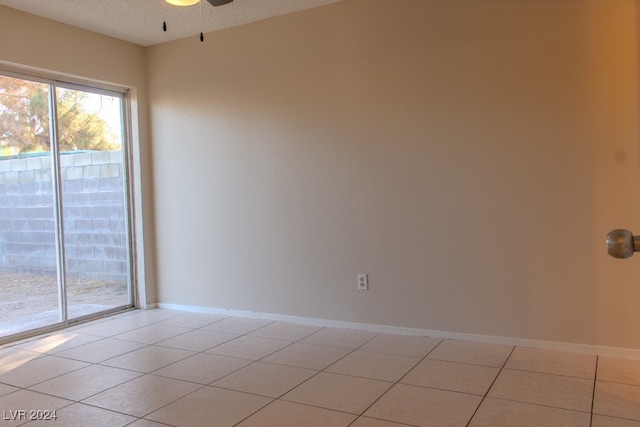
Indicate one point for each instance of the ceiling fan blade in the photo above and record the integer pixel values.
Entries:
(219, 2)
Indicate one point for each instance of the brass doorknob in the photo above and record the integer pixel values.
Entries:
(622, 243)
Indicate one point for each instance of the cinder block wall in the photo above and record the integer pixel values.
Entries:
(94, 215)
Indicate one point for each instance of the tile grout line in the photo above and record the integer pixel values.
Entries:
(150, 373)
(393, 384)
(326, 367)
(145, 345)
(492, 383)
(279, 398)
(252, 362)
(593, 395)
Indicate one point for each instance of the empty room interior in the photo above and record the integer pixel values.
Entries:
(356, 213)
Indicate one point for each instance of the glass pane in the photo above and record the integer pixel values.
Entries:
(28, 272)
(93, 200)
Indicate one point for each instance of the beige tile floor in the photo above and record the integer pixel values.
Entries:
(170, 368)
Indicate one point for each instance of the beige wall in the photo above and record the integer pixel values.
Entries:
(469, 156)
(44, 46)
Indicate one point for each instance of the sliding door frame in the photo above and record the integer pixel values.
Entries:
(129, 193)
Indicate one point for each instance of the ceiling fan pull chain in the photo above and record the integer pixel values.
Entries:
(164, 16)
(201, 33)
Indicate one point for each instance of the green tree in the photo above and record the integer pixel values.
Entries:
(24, 119)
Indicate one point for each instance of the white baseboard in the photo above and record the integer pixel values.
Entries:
(521, 342)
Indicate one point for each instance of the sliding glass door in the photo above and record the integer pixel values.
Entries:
(64, 212)
(28, 267)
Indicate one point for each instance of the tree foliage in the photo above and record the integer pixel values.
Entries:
(24, 119)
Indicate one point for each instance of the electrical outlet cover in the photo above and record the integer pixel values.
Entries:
(363, 282)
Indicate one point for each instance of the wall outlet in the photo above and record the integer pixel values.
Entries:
(363, 282)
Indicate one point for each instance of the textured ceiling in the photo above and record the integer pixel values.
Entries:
(140, 21)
